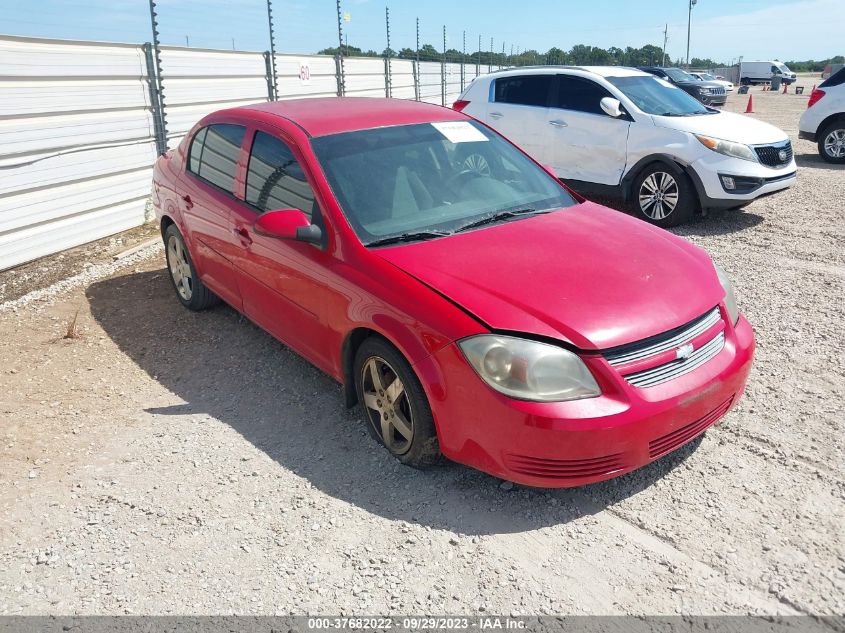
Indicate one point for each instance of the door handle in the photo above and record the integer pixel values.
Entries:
(558, 123)
(496, 115)
(243, 235)
(188, 202)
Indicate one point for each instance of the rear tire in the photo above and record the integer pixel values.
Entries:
(664, 196)
(190, 291)
(397, 410)
(831, 142)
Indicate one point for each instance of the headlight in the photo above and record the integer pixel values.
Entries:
(529, 370)
(728, 148)
(730, 297)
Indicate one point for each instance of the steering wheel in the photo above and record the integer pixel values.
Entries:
(462, 177)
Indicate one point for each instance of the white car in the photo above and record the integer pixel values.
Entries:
(623, 132)
(823, 121)
(729, 87)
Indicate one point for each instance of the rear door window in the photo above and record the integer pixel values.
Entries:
(214, 154)
(531, 90)
(581, 95)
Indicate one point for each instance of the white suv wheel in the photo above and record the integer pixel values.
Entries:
(658, 195)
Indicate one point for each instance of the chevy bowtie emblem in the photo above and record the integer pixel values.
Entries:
(684, 351)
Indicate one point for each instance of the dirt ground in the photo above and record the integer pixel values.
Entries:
(164, 462)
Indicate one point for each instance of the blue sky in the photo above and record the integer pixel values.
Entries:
(722, 29)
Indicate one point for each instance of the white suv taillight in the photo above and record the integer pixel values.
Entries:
(459, 105)
(815, 96)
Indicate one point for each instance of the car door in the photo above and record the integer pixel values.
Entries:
(587, 144)
(207, 189)
(518, 108)
(282, 282)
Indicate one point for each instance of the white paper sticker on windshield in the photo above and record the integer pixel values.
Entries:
(459, 131)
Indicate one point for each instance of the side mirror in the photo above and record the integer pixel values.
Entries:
(611, 107)
(288, 224)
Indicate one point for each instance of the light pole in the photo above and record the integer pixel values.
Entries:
(689, 24)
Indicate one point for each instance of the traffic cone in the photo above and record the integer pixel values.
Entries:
(785, 86)
(750, 107)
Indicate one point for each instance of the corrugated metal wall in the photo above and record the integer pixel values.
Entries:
(77, 137)
(76, 144)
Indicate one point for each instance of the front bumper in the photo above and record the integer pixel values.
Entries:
(564, 444)
(757, 180)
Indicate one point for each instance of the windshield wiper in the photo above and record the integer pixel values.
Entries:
(499, 215)
(407, 237)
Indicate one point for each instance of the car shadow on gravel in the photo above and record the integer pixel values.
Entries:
(223, 366)
(721, 222)
(816, 162)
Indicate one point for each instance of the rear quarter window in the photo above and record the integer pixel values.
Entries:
(532, 90)
(836, 79)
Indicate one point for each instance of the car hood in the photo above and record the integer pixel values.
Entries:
(726, 126)
(586, 275)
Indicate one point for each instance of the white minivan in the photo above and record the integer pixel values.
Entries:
(623, 132)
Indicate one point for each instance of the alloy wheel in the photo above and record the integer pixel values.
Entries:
(834, 143)
(180, 269)
(658, 195)
(387, 404)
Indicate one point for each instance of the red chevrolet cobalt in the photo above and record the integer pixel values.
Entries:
(465, 298)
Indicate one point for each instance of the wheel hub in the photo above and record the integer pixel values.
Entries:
(387, 405)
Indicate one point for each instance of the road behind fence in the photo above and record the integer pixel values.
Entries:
(82, 122)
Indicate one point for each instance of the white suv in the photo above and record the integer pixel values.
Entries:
(613, 130)
(823, 121)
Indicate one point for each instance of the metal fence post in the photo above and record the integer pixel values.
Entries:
(341, 80)
(155, 102)
(270, 76)
(155, 72)
(443, 71)
(415, 69)
(272, 56)
(388, 87)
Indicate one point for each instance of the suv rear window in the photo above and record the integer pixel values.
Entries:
(532, 90)
(836, 79)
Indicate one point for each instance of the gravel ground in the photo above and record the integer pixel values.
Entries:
(166, 462)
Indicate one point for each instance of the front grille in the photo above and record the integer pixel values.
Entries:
(565, 468)
(672, 340)
(678, 368)
(676, 438)
(769, 155)
(717, 91)
(663, 342)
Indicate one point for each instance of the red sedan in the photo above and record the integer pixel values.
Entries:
(473, 305)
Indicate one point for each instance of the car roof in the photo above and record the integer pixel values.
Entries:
(333, 115)
(602, 71)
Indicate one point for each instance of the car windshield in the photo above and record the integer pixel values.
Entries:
(678, 75)
(706, 77)
(655, 96)
(425, 180)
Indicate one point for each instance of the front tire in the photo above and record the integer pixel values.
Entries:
(664, 195)
(832, 142)
(190, 291)
(398, 414)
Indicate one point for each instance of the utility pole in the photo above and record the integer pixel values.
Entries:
(689, 25)
(187, 42)
(665, 38)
